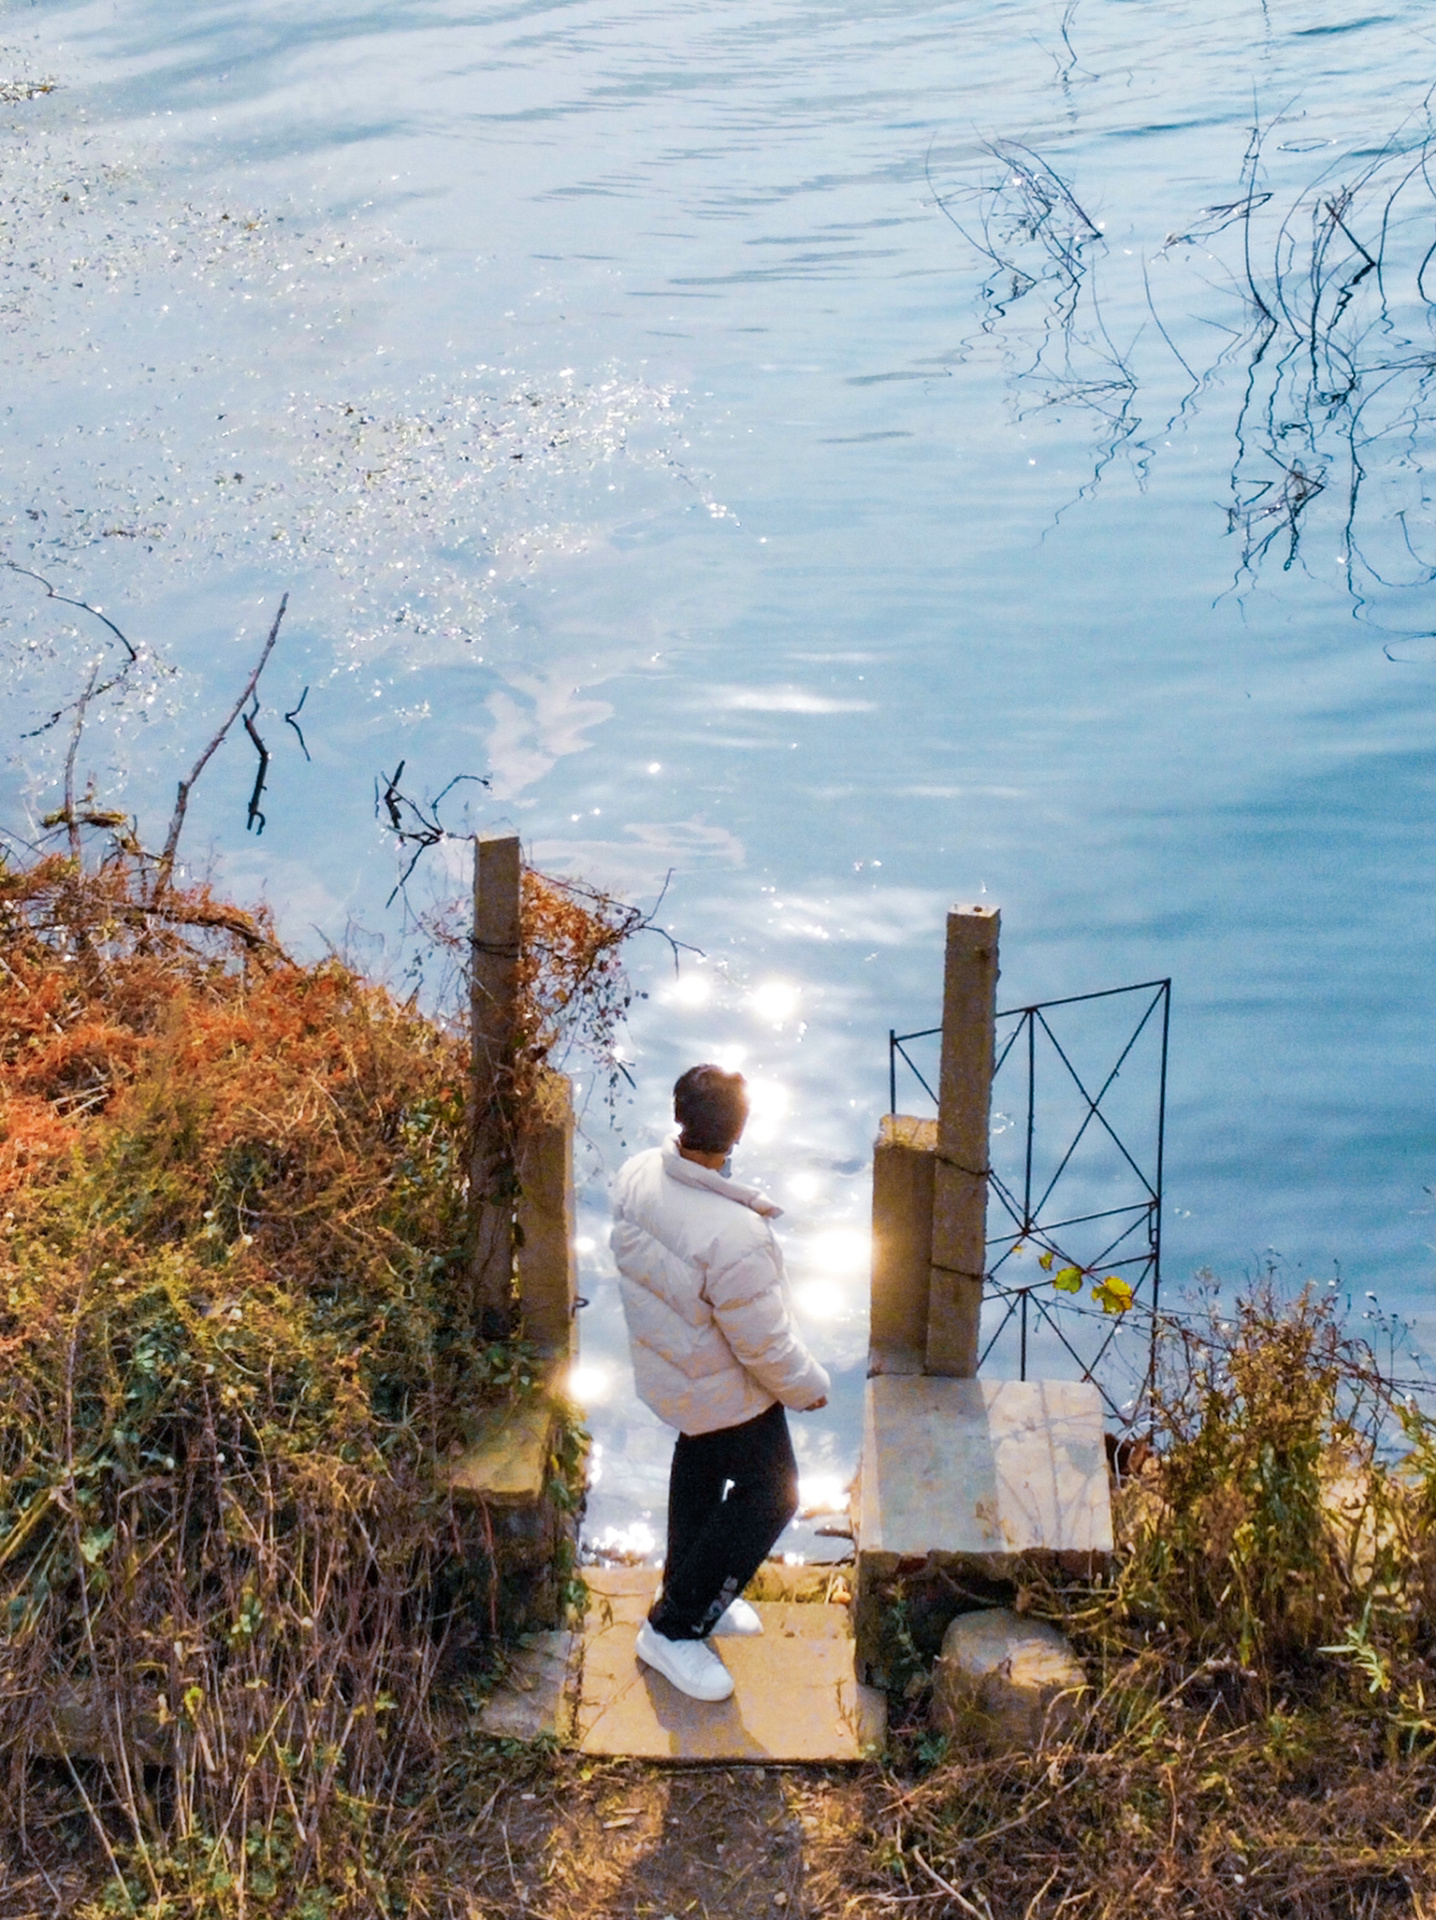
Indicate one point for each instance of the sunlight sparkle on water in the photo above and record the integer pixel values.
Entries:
(820, 1300)
(842, 1251)
(634, 1543)
(820, 1493)
(690, 990)
(775, 1001)
(590, 1383)
(769, 1101)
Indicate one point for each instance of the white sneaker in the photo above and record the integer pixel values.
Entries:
(692, 1665)
(739, 1619)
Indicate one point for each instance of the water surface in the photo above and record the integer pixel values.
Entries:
(620, 395)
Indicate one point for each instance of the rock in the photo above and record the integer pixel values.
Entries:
(1005, 1683)
(507, 1466)
(531, 1699)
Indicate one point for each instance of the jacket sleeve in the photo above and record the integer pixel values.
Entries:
(750, 1304)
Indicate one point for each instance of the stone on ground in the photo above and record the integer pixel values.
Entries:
(533, 1698)
(1005, 1683)
(507, 1465)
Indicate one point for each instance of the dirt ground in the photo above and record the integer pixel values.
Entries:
(621, 1841)
(559, 1837)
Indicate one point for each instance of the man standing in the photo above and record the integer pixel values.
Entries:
(715, 1354)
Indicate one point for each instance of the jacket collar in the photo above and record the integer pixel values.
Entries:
(688, 1173)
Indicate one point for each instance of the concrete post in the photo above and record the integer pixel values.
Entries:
(547, 1262)
(959, 1219)
(904, 1158)
(493, 1004)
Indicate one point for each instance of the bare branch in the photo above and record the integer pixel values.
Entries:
(165, 866)
(427, 829)
(71, 823)
(65, 600)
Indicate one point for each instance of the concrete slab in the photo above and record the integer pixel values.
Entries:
(508, 1463)
(534, 1697)
(795, 1698)
(983, 1471)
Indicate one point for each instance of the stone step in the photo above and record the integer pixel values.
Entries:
(796, 1696)
(507, 1464)
(972, 1479)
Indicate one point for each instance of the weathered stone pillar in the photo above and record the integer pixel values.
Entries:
(493, 1003)
(959, 1216)
(547, 1261)
(904, 1158)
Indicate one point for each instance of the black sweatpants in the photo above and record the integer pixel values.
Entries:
(730, 1495)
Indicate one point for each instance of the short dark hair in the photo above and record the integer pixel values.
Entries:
(711, 1107)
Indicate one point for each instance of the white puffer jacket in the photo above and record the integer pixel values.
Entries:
(709, 1319)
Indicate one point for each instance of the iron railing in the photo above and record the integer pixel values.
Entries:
(1079, 1135)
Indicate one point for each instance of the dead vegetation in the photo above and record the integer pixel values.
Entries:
(238, 1601)
(233, 1191)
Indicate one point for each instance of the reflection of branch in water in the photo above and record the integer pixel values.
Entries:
(251, 714)
(66, 601)
(1326, 304)
(1339, 353)
(1276, 506)
(92, 691)
(1039, 296)
(291, 719)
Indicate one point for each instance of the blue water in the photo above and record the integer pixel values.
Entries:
(827, 582)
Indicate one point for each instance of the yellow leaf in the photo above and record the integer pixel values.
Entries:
(1045, 1260)
(1113, 1295)
(1069, 1280)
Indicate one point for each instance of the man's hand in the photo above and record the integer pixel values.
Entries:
(815, 1405)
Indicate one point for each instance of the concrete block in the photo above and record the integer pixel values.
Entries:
(904, 1159)
(507, 1465)
(547, 1262)
(533, 1698)
(1004, 1683)
(973, 1480)
(959, 1220)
